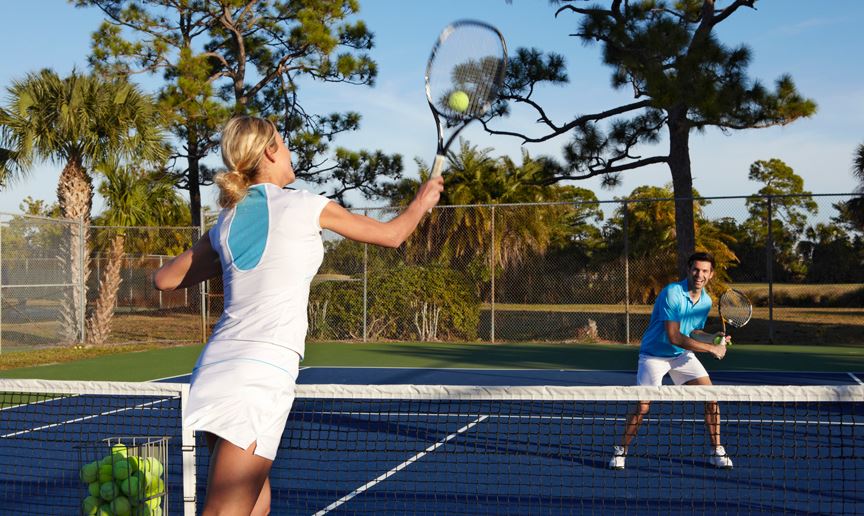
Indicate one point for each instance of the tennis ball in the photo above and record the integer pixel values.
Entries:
(718, 340)
(108, 459)
(156, 511)
(90, 505)
(155, 488)
(108, 491)
(93, 488)
(104, 510)
(121, 506)
(458, 101)
(142, 510)
(122, 470)
(119, 449)
(89, 472)
(132, 486)
(153, 467)
(133, 461)
(106, 473)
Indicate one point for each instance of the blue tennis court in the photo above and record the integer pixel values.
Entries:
(486, 449)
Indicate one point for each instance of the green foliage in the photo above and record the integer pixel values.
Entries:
(247, 57)
(681, 77)
(79, 119)
(398, 298)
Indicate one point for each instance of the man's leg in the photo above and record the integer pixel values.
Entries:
(650, 372)
(719, 457)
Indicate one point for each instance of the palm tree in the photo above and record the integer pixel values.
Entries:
(457, 236)
(78, 121)
(132, 198)
(856, 205)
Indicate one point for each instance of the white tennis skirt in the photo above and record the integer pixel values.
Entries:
(242, 391)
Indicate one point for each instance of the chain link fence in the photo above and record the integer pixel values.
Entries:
(565, 272)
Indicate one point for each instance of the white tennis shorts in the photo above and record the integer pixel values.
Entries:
(682, 369)
(242, 392)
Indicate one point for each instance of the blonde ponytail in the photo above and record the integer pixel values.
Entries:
(244, 140)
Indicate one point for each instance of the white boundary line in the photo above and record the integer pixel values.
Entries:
(398, 468)
(858, 380)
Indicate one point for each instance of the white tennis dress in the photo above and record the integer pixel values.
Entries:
(270, 248)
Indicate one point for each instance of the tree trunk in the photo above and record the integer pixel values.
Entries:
(75, 197)
(682, 187)
(99, 324)
(194, 180)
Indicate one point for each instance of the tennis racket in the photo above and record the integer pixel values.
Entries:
(735, 310)
(464, 73)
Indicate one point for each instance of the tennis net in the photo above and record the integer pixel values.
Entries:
(423, 449)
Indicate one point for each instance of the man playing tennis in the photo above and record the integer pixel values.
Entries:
(669, 345)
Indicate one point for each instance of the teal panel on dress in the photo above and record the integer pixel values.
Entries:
(247, 238)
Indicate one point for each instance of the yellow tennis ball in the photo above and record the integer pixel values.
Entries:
(108, 491)
(718, 340)
(121, 506)
(90, 505)
(458, 101)
(89, 472)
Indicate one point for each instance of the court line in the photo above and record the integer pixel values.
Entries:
(398, 468)
(856, 378)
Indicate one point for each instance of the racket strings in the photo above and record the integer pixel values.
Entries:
(470, 59)
(735, 308)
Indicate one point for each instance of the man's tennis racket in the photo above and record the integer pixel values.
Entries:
(464, 73)
(735, 310)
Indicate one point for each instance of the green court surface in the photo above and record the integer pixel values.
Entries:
(169, 362)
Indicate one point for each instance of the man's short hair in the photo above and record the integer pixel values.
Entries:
(700, 257)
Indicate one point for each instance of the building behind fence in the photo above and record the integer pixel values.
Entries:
(565, 272)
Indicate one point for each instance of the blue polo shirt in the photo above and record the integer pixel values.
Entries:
(674, 304)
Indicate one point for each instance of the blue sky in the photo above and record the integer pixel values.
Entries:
(818, 46)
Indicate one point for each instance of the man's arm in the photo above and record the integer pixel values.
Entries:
(673, 333)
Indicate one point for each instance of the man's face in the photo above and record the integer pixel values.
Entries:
(699, 274)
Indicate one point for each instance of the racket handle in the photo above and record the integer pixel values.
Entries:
(437, 165)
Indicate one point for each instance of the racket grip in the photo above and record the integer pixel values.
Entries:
(437, 165)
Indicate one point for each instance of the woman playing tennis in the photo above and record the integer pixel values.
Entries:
(267, 246)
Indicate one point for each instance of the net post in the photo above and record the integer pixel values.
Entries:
(202, 289)
(188, 451)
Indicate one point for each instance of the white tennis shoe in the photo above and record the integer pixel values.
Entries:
(719, 458)
(618, 458)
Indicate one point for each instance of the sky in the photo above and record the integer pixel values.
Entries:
(819, 44)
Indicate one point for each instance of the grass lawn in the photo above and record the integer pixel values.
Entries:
(161, 362)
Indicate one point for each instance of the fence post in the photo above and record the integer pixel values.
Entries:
(82, 287)
(626, 278)
(769, 253)
(2, 284)
(492, 293)
(365, 284)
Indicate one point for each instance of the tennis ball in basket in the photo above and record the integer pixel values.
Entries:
(90, 505)
(119, 449)
(108, 459)
(133, 461)
(142, 510)
(106, 473)
(155, 467)
(104, 510)
(89, 472)
(458, 101)
(122, 470)
(93, 488)
(121, 506)
(108, 491)
(132, 486)
(155, 488)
